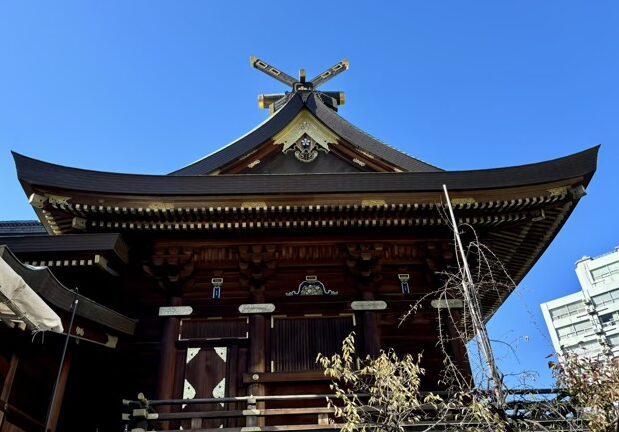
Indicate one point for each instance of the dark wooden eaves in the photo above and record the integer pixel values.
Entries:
(107, 243)
(43, 282)
(35, 173)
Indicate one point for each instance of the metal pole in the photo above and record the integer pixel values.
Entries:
(470, 297)
(62, 358)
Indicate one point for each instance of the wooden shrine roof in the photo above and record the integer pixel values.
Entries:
(297, 102)
(517, 210)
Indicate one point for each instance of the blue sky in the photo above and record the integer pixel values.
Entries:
(148, 87)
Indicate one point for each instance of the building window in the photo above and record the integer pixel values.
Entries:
(606, 298)
(571, 309)
(577, 329)
(609, 319)
(603, 272)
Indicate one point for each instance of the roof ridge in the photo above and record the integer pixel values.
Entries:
(229, 152)
(384, 143)
(372, 144)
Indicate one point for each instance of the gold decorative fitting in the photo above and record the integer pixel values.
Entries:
(254, 204)
(559, 191)
(311, 286)
(253, 164)
(305, 124)
(367, 154)
(58, 200)
(160, 206)
(246, 155)
(37, 201)
(359, 162)
(78, 223)
(373, 202)
(465, 200)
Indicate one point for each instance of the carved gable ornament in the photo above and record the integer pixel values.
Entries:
(305, 136)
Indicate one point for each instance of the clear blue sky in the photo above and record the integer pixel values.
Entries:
(148, 86)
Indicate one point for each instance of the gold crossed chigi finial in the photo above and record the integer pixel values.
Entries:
(275, 101)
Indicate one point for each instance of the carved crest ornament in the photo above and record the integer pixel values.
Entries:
(311, 286)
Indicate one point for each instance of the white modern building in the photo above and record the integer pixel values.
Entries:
(587, 322)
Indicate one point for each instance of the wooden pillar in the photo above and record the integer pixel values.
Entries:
(457, 344)
(168, 355)
(62, 385)
(257, 354)
(6, 388)
(371, 332)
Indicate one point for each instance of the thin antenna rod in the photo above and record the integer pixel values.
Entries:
(62, 358)
(470, 296)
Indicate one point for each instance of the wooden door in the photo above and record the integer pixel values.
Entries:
(211, 372)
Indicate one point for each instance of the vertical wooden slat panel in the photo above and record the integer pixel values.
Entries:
(201, 329)
(297, 341)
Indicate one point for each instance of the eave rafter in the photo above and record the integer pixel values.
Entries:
(103, 251)
(93, 260)
(517, 224)
(74, 215)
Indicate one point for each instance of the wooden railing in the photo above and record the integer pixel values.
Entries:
(529, 410)
(10, 414)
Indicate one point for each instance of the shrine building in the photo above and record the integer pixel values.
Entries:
(225, 278)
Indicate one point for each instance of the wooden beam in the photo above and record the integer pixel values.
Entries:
(371, 335)
(6, 388)
(168, 354)
(278, 377)
(257, 356)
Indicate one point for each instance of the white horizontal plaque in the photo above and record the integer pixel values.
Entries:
(254, 308)
(368, 305)
(447, 304)
(175, 310)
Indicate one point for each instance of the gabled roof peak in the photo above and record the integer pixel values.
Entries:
(316, 104)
